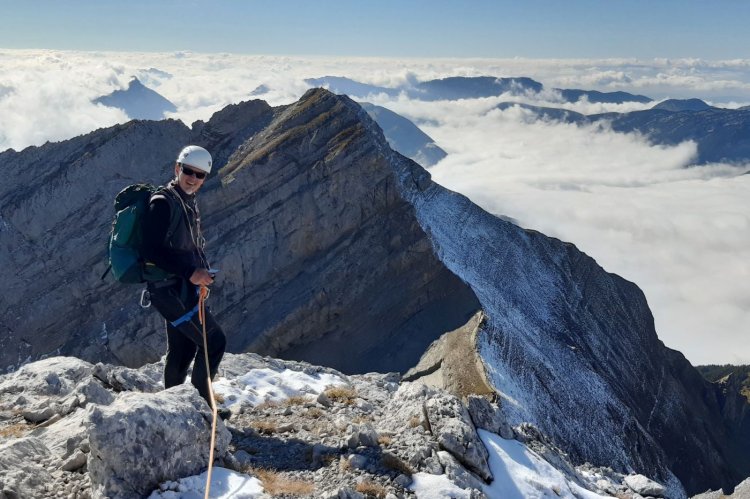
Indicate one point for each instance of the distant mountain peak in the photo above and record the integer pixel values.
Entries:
(677, 105)
(138, 101)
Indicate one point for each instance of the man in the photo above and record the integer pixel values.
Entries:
(173, 242)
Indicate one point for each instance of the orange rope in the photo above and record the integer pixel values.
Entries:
(201, 317)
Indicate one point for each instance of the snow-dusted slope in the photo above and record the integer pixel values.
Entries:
(573, 348)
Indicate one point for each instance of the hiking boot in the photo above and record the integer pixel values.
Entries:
(224, 413)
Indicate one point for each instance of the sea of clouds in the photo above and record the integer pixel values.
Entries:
(681, 233)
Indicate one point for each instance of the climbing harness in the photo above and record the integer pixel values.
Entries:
(188, 315)
(203, 295)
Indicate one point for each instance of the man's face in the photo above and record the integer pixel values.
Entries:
(187, 178)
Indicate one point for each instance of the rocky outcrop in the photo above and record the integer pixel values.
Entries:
(452, 362)
(365, 433)
(142, 440)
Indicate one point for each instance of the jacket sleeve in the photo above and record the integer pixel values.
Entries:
(154, 231)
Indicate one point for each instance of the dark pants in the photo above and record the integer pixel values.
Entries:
(185, 342)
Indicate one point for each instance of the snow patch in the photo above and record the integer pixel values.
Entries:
(269, 385)
(225, 484)
(428, 486)
(521, 473)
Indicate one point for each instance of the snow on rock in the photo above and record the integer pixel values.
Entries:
(520, 473)
(409, 439)
(225, 484)
(267, 384)
(427, 486)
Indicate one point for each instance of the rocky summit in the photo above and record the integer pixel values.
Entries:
(69, 428)
(338, 251)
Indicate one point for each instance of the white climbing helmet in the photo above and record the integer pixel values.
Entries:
(197, 157)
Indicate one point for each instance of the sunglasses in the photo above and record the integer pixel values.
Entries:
(192, 173)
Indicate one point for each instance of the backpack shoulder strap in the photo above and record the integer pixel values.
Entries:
(175, 208)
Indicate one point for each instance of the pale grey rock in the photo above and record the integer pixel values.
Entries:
(406, 408)
(432, 465)
(119, 378)
(457, 473)
(451, 424)
(606, 486)
(74, 462)
(93, 392)
(39, 412)
(362, 435)
(324, 400)
(45, 388)
(644, 486)
(144, 439)
(488, 416)
(20, 473)
(527, 432)
(64, 436)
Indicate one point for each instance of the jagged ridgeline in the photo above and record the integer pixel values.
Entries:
(336, 250)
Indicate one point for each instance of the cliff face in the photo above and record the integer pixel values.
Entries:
(338, 251)
(324, 261)
(321, 259)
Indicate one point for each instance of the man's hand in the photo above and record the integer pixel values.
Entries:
(201, 277)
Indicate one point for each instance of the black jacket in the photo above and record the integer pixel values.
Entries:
(182, 251)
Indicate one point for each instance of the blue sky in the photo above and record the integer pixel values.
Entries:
(418, 28)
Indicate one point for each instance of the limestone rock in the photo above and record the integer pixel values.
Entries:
(644, 486)
(488, 416)
(20, 472)
(363, 435)
(119, 379)
(451, 424)
(74, 462)
(457, 473)
(452, 362)
(144, 439)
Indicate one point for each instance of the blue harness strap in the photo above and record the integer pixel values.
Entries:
(189, 315)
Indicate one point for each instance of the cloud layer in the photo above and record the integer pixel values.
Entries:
(682, 234)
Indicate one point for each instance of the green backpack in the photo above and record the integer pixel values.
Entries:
(126, 238)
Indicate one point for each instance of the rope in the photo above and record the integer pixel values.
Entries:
(202, 318)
